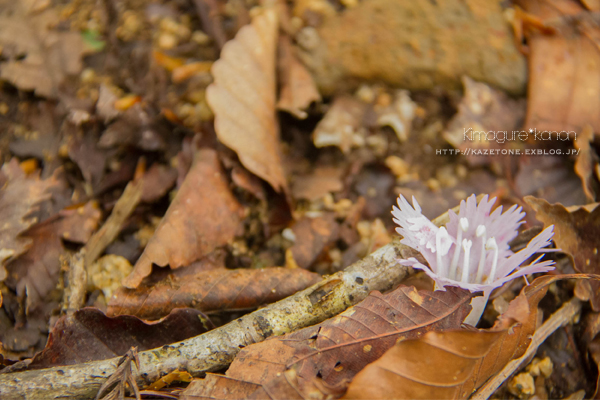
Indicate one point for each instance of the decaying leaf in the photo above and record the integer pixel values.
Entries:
(19, 196)
(575, 233)
(203, 216)
(482, 110)
(210, 291)
(36, 56)
(340, 347)
(89, 335)
(242, 98)
(563, 78)
(298, 88)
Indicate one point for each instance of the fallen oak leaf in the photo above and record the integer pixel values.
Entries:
(203, 216)
(587, 159)
(242, 98)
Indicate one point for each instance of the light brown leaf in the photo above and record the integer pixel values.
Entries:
(564, 82)
(38, 57)
(19, 197)
(211, 291)
(242, 98)
(432, 367)
(298, 88)
(204, 215)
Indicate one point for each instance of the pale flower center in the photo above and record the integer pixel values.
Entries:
(464, 245)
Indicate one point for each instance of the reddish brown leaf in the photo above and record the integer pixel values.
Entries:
(337, 349)
(19, 197)
(89, 335)
(214, 290)
(563, 79)
(450, 365)
(312, 236)
(433, 367)
(575, 233)
(203, 216)
(242, 98)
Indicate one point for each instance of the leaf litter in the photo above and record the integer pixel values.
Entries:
(237, 206)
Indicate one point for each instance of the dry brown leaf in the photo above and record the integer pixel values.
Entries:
(298, 88)
(340, 347)
(575, 233)
(412, 370)
(242, 98)
(450, 365)
(19, 196)
(211, 291)
(36, 55)
(564, 82)
(204, 215)
(218, 387)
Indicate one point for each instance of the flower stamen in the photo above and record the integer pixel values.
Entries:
(466, 244)
(440, 237)
(492, 245)
(463, 225)
(480, 233)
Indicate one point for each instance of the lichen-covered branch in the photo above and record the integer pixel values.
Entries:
(216, 349)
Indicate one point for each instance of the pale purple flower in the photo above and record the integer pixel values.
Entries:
(472, 250)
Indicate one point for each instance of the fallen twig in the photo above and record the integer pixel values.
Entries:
(560, 318)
